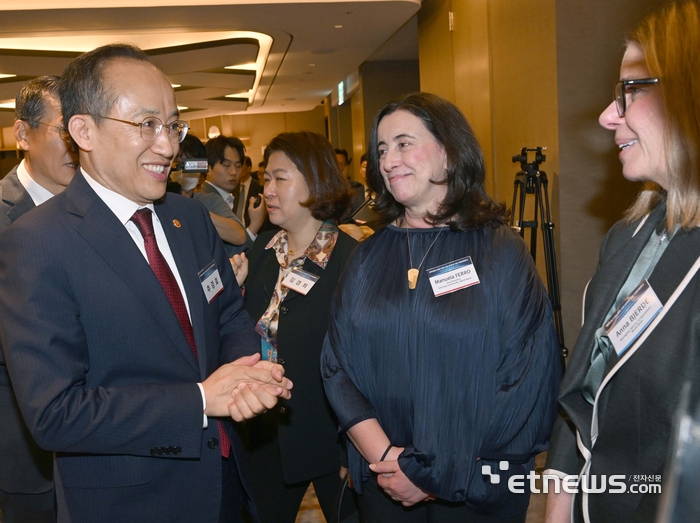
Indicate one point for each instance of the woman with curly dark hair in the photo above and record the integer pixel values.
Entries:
(441, 359)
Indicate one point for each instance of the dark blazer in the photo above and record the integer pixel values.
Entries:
(308, 431)
(104, 375)
(24, 466)
(635, 406)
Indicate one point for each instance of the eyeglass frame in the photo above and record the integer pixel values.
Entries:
(620, 92)
(158, 129)
(62, 131)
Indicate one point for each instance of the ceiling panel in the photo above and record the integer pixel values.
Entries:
(313, 46)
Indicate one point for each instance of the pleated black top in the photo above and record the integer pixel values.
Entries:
(461, 380)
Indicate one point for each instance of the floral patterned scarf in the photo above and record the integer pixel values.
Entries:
(319, 252)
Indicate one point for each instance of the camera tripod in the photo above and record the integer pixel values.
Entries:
(530, 180)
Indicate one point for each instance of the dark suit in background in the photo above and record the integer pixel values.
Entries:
(25, 468)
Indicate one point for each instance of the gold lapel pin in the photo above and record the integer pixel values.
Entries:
(177, 223)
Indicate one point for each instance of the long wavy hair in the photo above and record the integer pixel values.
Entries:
(466, 204)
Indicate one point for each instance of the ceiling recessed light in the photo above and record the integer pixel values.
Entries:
(175, 86)
(338, 26)
(7, 76)
(182, 108)
(247, 67)
(10, 104)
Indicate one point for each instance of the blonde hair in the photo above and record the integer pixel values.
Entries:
(670, 40)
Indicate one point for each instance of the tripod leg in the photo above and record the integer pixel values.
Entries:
(551, 266)
(516, 188)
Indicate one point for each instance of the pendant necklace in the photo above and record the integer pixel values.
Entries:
(414, 272)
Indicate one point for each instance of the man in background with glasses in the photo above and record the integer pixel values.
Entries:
(120, 314)
(26, 485)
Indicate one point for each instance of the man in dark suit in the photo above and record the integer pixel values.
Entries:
(26, 485)
(120, 315)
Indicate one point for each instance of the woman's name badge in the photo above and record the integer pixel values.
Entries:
(453, 276)
(299, 280)
(211, 281)
(632, 317)
(268, 352)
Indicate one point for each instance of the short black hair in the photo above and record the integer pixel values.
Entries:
(330, 193)
(83, 89)
(192, 147)
(30, 102)
(216, 147)
(247, 161)
(343, 153)
(466, 204)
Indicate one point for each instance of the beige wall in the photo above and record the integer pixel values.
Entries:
(381, 81)
(359, 143)
(498, 65)
(593, 194)
(256, 130)
(538, 73)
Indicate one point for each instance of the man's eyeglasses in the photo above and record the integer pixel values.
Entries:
(152, 126)
(62, 131)
(622, 87)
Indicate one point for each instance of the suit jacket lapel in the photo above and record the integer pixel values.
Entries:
(675, 264)
(15, 194)
(604, 288)
(179, 240)
(680, 254)
(103, 231)
(671, 269)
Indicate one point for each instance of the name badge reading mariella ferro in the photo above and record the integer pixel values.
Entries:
(211, 281)
(632, 317)
(453, 276)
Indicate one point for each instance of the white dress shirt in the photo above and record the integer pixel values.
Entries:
(38, 193)
(124, 209)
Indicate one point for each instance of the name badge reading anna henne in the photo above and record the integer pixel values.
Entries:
(211, 281)
(453, 276)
